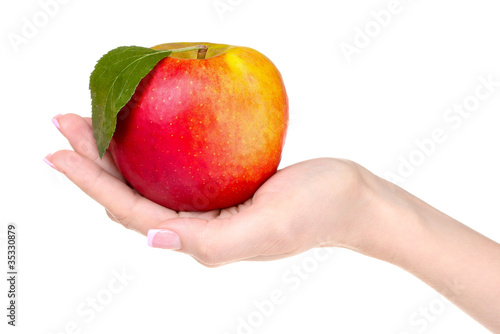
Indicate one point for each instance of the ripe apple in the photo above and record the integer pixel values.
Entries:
(204, 129)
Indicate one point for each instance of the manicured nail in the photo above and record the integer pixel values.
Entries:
(55, 122)
(47, 161)
(166, 239)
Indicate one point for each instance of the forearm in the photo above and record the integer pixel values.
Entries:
(455, 260)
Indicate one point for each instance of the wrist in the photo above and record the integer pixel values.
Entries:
(391, 220)
(366, 213)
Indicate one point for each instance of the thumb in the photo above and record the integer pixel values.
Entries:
(217, 241)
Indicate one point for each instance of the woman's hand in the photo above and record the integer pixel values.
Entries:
(321, 202)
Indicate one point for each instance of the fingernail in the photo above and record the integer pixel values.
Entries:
(55, 122)
(47, 161)
(165, 239)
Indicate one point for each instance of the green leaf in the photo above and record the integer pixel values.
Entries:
(112, 84)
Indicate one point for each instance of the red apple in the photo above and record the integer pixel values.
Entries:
(203, 133)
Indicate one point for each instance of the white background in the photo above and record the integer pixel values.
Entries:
(371, 110)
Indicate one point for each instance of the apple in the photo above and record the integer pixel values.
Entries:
(204, 129)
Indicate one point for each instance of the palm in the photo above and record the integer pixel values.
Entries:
(268, 226)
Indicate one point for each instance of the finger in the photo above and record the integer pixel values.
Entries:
(129, 208)
(249, 234)
(79, 133)
(88, 120)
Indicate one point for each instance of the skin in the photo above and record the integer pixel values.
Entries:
(317, 203)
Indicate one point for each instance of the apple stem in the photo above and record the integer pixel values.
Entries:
(202, 50)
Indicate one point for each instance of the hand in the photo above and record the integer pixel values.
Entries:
(320, 202)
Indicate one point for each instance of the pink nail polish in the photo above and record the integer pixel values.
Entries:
(47, 161)
(165, 239)
(55, 122)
